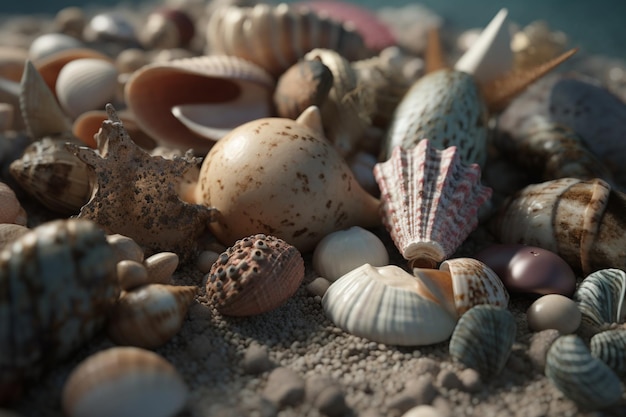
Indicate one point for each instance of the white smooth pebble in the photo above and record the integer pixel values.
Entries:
(554, 311)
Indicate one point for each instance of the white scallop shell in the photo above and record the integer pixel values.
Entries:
(382, 304)
(86, 84)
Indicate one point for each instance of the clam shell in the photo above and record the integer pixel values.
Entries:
(610, 347)
(87, 125)
(582, 378)
(275, 37)
(255, 275)
(482, 339)
(149, 316)
(174, 101)
(383, 304)
(57, 283)
(124, 382)
(86, 84)
(430, 201)
(445, 107)
(600, 297)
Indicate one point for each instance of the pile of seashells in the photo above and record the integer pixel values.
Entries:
(240, 137)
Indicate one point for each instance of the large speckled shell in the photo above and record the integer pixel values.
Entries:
(57, 283)
(255, 275)
(482, 339)
(210, 94)
(430, 201)
(384, 304)
(124, 382)
(581, 377)
(610, 347)
(582, 221)
(600, 297)
(55, 177)
(445, 107)
(275, 37)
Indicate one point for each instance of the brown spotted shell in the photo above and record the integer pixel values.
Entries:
(255, 275)
(57, 283)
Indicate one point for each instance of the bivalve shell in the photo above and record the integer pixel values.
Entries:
(257, 274)
(582, 378)
(610, 347)
(124, 382)
(600, 298)
(483, 338)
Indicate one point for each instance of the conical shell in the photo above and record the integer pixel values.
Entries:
(120, 381)
(581, 221)
(383, 304)
(445, 107)
(483, 338)
(600, 297)
(610, 347)
(149, 316)
(255, 275)
(275, 37)
(582, 378)
(173, 101)
(430, 201)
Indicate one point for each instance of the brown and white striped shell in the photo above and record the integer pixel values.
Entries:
(255, 275)
(275, 37)
(57, 283)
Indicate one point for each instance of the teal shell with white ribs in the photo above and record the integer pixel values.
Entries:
(446, 107)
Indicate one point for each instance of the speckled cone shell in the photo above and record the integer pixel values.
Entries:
(255, 275)
(581, 377)
(149, 316)
(275, 37)
(445, 107)
(283, 178)
(57, 283)
(430, 201)
(582, 221)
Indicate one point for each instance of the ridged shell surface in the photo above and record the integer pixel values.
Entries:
(57, 283)
(382, 304)
(610, 347)
(483, 338)
(430, 201)
(445, 107)
(600, 297)
(582, 378)
(275, 37)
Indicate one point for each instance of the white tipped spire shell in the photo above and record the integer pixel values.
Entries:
(490, 56)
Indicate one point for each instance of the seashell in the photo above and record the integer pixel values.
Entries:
(11, 211)
(430, 201)
(10, 232)
(12, 59)
(340, 252)
(490, 55)
(483, 338)
(110, 27)
(125, 248)
(581, 221)
(582, 378)
(57, 284)
(190, 103)
(600, 297)
(347, 111)
(119, 381)
(296, 186)
(252, 33)
(51, 43)
(167, 28)
(554, 311)
(161, 266)
(384, 304)
(597, 116)
(306, 83)
(550, 151)
(54, 176)
(131, 274)
(149, 316)
(257, 274)
(86, 126)
(445, 107)
(167, 222)
(610, 346)
(70, 21)
(130, 60)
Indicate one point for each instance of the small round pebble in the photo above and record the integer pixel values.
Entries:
(422, 389)
(326, 395)
(256, 360)
(539, 345)
(318, 286)
(470, 380)
(131, 274)
(423, 411)
(205, 260)
(554, 311)
(448, 379)
(284, 387)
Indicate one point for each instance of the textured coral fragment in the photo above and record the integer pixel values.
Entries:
(136, 194)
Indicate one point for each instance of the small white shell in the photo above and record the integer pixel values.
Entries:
(124, 382)
(340, 252)
(86, 84)
(50, 43)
